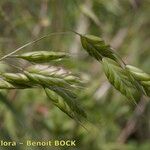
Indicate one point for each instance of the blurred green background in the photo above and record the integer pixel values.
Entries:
(27, 114)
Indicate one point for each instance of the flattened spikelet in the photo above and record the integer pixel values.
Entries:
(59, 102)
(118, 77)
(96, 47)
(139, 74)
(17, 78)
(71, 100)
(142, 78)
(46, 81)
(6, 85)
(52, 71)
(41, 56)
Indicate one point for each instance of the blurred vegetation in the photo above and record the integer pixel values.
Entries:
(27, 114)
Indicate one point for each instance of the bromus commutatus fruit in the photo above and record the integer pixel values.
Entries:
(47, 81)
(52, 71)
(17, 78)
(142, 78)
(126, 79)
(59, 84)
(96, 47)
(71, 100)
(6, 85)
(59, 102)
(41, 56)
(118, 77)
(75, 113)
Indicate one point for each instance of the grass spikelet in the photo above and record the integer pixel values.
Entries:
(71, 100)
(142, 78)
(52, 71)
(118, 77)
(96, 47)
(41, 56)
(59, 102)
(139, 74)
(6, 85)
(46, 81)
(17, 78)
